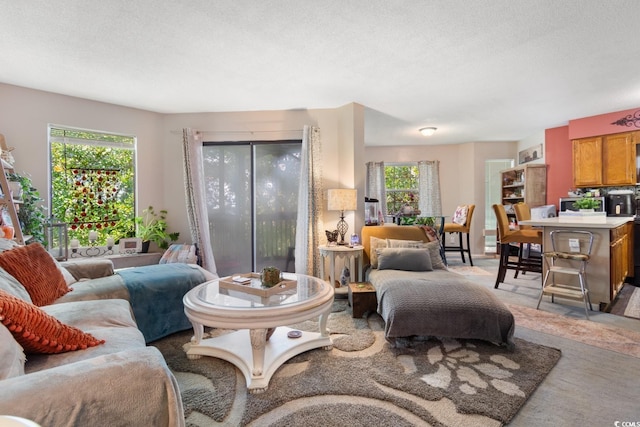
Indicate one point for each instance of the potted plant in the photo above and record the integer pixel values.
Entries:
(152, 227)
(31, 212)
(587, 204)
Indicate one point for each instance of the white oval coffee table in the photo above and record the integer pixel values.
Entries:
(251, 315)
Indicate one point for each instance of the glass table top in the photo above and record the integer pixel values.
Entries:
(211, 293)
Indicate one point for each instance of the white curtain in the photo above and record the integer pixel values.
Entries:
(375, 185)
(430, 203)
(196, 198)
(309, 205)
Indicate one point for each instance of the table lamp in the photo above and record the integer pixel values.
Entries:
(342, 199)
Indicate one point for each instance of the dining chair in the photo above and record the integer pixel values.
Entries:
(519, 237)
(523, 213)
(460, 229)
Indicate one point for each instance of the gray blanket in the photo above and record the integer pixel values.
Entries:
(439, 303)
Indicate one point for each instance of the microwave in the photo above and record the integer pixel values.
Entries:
(566, 204)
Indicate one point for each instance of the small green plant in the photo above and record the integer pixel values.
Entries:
(152, 227)
(270, 276)
(587, 203)
(31, 213)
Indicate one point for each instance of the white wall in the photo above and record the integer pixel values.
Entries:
(461, 174)
(26, 113)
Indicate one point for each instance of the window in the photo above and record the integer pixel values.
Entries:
(252, 203)
(402, 184)
(92, 182)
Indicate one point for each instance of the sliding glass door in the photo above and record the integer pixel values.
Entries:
(252, 200)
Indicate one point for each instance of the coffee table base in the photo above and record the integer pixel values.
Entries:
(236, 347)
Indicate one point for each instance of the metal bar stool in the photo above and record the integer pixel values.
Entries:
(571, 250)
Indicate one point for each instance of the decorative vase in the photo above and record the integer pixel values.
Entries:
(145, 246)
(270, 276)
(345, 276)
(407, 209)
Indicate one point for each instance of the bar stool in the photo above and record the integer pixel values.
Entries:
(569, 247)
(523, 213)
(506, 237)
(453, 227)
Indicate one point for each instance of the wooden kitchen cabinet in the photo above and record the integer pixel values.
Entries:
(587, 162)
(619, 159)
(604, 160)
(620, 255)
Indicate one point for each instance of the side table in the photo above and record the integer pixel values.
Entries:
(362, 298)
(354, 253)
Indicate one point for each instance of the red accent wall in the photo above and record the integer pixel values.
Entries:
(602, 124)
(559, 158)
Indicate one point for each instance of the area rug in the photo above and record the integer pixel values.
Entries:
(365, 381)
(633, 306)
(469, 270)
(585, 331)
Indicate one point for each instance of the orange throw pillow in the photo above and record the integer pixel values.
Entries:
(32, 266)
(39, 332)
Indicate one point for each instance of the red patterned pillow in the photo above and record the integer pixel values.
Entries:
(32, 266)
(39, 332)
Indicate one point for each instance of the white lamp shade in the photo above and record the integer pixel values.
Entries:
(342, 199)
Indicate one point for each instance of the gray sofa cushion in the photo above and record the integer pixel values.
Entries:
(10, 285)
(110, 320)
(12, 356)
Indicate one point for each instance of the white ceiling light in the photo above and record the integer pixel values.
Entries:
(428, 131)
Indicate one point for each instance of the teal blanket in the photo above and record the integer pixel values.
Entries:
(156, 293)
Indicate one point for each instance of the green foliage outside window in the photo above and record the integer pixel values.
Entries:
(93, 183)
(401, 182)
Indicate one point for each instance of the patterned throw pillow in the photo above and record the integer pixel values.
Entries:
(432, 247)
(375, 243)
(179, 253)
(37, 331)
(460, 215)
(434, 253)
(32, 266)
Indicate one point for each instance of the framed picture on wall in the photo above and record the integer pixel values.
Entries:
(530, 154)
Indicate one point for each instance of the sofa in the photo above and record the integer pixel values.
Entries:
(71, 348)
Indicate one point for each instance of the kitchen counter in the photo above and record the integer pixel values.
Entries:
(575, 221)
(611, 254)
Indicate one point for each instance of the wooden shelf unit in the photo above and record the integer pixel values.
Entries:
(525, 184)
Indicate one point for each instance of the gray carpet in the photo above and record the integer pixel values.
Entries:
(589, 386)
(363, 381)
(633, 306)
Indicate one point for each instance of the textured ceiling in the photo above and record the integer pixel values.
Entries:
(481, 70)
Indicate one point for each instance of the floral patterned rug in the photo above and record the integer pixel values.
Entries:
(422, 382)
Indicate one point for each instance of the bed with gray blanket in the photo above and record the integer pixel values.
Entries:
(428, 300)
